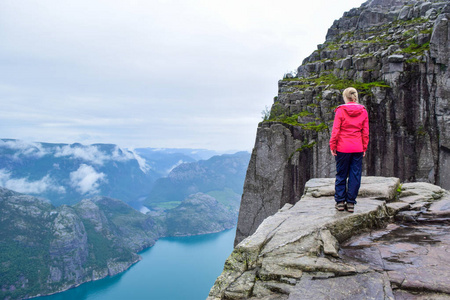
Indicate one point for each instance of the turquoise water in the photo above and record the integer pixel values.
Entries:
(174, 268)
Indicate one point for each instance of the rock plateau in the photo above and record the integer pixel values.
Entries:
(311, 251)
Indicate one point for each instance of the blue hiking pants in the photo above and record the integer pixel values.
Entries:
(348, 166)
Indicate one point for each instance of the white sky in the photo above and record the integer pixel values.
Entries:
(151, 73)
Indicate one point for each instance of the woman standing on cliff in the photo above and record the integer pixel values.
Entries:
(348, 144)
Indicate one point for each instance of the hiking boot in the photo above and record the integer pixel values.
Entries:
(340, 206)
(350, 207)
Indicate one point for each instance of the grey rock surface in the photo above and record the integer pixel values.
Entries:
(305, 251)
(370, 285)
(269, 182)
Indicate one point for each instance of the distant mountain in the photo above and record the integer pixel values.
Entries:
(46, 249)
(198, 214)
(195, 154)
(220, 176)
(163, 161)
(66, 174)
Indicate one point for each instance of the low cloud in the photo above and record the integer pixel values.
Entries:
(23, 185)
(93, 154)
(89, 153)
(24, 148)
(121, 154)
(174, 166)
(86, 180)
(141, 161)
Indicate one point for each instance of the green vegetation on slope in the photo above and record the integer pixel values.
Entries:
(333, 82)
(24, 249)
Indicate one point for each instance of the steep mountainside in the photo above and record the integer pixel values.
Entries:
(198, 214)
(46, 249)
(396, 54)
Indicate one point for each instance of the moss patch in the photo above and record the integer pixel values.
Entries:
(306, 145)
(340, 83)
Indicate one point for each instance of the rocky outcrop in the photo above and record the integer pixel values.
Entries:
(311, 251)
(68, 249)
(396, 54)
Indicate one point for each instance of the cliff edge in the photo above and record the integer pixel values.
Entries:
(312, 251)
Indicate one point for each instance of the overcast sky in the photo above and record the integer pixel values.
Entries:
(151, 73)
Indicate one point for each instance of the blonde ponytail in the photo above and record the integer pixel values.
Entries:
(351, 94)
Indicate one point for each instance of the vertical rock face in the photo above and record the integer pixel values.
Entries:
(68, 248)
(396, 53)
(273, 175)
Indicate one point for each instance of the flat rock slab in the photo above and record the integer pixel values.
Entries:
(311, 214)
(426, 191)
(382, 188)
(307, 216)
(418, 295)
(415, 257)
(371, 285)
(441, 207)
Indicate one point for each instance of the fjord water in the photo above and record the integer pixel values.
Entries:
(175, 268)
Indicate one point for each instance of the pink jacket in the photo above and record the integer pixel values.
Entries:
(350, 129)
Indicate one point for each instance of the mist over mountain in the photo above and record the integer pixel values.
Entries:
(163, 161)
(66, 174)
(195, 154)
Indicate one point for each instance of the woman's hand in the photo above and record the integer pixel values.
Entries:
(333, 152)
